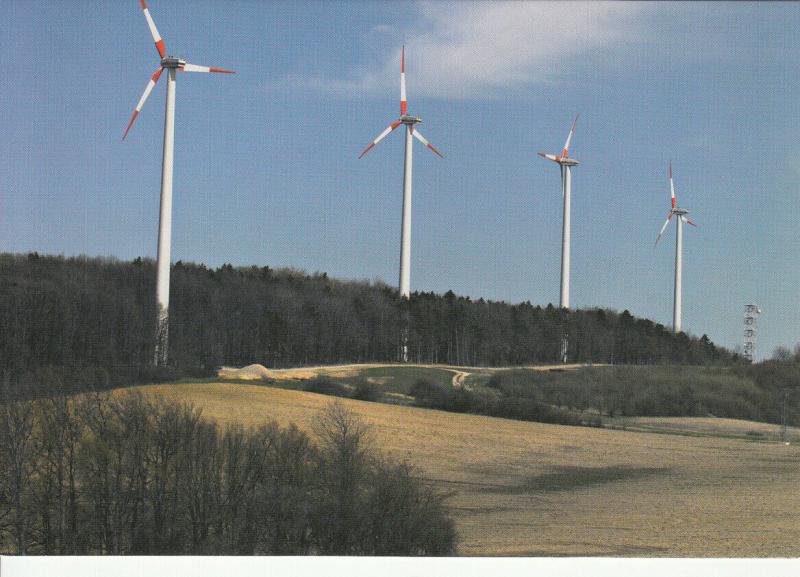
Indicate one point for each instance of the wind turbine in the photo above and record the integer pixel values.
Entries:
(405, 233)
(565, 163)
(681, 214)
(172, 65)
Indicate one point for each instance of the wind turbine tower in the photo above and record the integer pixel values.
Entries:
(405, 230)
(681, 218)
(172, 65)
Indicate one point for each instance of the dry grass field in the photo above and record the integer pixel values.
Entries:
(521, 488)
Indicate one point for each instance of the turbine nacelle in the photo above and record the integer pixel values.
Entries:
(408, 119)
(562, 160)
(172, 62)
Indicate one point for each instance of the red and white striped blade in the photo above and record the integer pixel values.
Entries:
(688, 220)
(671, 186)
(381, 136)
(196, 68)
(147, 91)
(663, 228)
(422, 139)
(403, 102)
(569, 138)
(552, 157)
(153, 30)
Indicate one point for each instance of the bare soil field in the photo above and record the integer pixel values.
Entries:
(521, 488)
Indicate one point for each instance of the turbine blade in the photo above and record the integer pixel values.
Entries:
(403, 102)
(153, 30)
(147, 91)
(666, 222)
(196, 68)
(421, 138)
(381, 136)
(688, 220)
(671, 185)
(548, 156)
(569, 138)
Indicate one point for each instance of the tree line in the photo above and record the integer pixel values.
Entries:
(127, 474)
(100, 312)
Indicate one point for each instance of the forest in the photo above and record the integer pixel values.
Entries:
(97, 314)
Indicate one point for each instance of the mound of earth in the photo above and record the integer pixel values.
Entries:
(253, 372)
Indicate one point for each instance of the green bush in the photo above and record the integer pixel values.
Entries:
(325, 386)
(640, 391)
(367, 392)
(430, 394)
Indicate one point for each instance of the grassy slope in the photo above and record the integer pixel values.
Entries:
(399, 379)
(392, 378)
(533, 489)
(396, 380)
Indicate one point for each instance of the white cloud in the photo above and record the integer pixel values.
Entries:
(464, 50)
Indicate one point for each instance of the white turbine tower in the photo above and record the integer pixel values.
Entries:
(681, 214)
(405, 234)
(566, 164)
(172, 66)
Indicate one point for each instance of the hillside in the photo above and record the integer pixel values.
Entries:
(92, 312)
(597, 395)
(523, 488)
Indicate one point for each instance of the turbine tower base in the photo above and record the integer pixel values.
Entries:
(162, 338)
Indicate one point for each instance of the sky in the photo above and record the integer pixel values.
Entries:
(266, 160)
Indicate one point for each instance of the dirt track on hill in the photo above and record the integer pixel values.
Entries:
(349, 370)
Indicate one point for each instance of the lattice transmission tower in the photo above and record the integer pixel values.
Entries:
(751, 313)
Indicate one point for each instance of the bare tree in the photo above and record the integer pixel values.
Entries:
(406, 517)
(199, 479)
(127, 474)
(344, 464)
(781, 353)
(17, 446)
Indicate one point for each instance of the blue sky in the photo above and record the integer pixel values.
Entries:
(266, 168)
